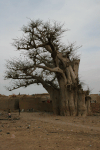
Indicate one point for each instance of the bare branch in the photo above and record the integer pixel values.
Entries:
(46, 57)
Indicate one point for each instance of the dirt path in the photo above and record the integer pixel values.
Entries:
(60, 122)
(44, 131)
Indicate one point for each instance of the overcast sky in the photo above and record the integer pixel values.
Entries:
(82, 17)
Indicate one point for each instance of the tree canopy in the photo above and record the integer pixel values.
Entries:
(45, 58)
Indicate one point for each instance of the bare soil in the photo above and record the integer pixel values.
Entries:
(45, 131)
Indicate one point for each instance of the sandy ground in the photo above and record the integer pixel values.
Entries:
(45, 131)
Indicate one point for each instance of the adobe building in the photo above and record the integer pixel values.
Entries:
(95, 98)
(3, 102)
(43, 95)
(95, 103)
(9, 102)
(36, 102)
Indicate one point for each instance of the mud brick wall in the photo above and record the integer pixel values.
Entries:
(95, 107)
(13, 103)
(98, 99)
(44, 95)
(35, 103)
(44, 106)
(28, 103)
(4, 103)
(9, 103)
(95, 97)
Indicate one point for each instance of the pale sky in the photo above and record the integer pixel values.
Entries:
(82, 17)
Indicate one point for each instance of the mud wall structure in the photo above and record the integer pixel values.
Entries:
(95, 103)
(95, 98)
(44, 95)
(37, 104)
(95, 107)
(9, 103)
(13, 103)
(4, 102)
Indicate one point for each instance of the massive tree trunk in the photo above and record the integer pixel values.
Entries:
(68, 102)
(63, 103)
(71, 103)
(75, 101)
(87, 99)
(55, 98)
(82, 111)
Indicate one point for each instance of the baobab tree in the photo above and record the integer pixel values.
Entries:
(47, 61)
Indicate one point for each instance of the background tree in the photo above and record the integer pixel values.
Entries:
(48, 62)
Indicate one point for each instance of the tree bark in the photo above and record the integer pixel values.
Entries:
(88, 98)
(54, 96)
(75, 101)
(63, 103)
(67, 101)
(76, 67)
(81, 104)
(71, 103)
